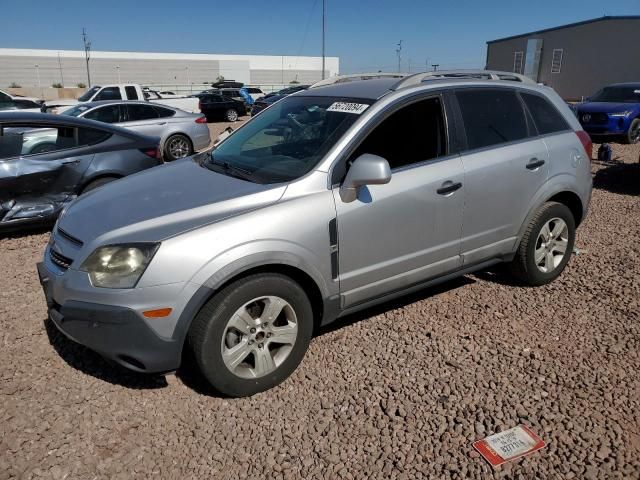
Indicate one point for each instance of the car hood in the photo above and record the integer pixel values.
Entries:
(162, 202)
(606, 107)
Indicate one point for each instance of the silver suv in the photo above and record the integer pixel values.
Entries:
(329, 201)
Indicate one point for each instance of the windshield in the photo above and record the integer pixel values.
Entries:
(88, 94)
(75, 111)
(618, 95)
(287, 140)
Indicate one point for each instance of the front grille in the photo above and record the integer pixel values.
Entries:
(596, 118)
(70, 238)
(59, 259)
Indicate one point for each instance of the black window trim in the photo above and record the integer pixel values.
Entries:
(381, 117)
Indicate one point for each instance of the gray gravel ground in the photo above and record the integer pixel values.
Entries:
(400, 391)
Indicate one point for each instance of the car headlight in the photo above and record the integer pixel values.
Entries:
(119, 266)
(621, 114)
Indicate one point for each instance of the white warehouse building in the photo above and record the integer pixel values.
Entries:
(42, 68)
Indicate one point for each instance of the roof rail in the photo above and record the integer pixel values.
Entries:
(419, 78)
(356, 77)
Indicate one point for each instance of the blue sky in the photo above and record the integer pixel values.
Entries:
(362, 33)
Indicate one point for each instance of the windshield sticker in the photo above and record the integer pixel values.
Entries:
(345, 107)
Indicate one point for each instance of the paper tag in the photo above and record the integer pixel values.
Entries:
(508, 445)
(345, 107)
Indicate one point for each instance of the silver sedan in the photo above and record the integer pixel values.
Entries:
(181, 133)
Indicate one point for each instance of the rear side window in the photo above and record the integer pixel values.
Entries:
(107, 114)
(109, 93)
(141, 112)
(24, 139)
(545, 115)
(91, 136)
(164, 112)
(491, 117)
(132, 94)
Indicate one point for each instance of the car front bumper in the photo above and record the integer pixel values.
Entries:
(116, 332)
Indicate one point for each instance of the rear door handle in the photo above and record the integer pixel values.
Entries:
(448, 187)
(534, 163)
(162, 123)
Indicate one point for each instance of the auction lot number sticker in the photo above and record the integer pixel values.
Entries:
(346, 107)
(508, 445)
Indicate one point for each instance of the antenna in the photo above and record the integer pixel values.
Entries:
(324, 14)
(399, 53)
(87, 54)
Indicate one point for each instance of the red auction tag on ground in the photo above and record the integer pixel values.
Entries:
(508, 445)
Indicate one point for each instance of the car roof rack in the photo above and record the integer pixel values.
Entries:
(419, 78)
(354, 77)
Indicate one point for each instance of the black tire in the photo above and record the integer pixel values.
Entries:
(524, 266)
(633, 134)
(206, 333)
(97, 184)
(231, 115)
(185, 147)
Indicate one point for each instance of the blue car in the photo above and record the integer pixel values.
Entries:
(612, 114)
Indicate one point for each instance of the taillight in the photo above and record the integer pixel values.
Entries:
(585, 139)
(151, 152)
(201, 120)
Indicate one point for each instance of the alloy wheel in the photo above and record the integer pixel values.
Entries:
(551, 245)
(259, 336)
(178, 147)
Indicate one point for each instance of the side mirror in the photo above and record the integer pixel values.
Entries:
(367, 169)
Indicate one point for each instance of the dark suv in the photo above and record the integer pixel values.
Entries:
(216, 106)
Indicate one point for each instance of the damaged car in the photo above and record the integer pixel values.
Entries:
(46, 161)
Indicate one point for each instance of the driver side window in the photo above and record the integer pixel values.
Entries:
(413, 134)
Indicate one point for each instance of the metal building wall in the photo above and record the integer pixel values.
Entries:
(594, 55)
(69, 68)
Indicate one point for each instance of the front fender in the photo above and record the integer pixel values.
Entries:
(242, 258)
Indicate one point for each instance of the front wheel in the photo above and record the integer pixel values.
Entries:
(633, 134)
(252, 334)
(231, 115)
(546, 245)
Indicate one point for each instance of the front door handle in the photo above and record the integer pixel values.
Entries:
(448, 187)
(534, 163)
(72, 161)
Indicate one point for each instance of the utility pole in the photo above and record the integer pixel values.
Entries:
(60, 66)
(426, 65)
(324, 15)
(87, 54)
(399, 53)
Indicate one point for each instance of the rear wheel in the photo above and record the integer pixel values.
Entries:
(231, 115)
(177, 146)
(633, 135)
(98, 183)
(546, 245)
(253, 334)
